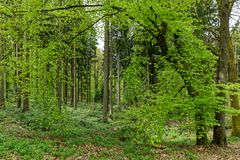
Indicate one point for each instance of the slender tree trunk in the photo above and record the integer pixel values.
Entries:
(26, 79)
(89, 81)
(27, 83)
(66, 82)
(17, 83)
(74, 85)
(110, 105)
(95, 80)
(152, 74)
(2, 88)
(59, 87)
(2, 98)
(7, 86)
(81, 88)
(106, 73)
(118, 82)
(78, 81)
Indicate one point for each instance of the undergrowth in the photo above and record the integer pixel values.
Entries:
(81, 134)
(70, 134)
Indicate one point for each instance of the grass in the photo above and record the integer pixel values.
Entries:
(82, 135)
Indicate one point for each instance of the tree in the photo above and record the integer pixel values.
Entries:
(165, 29)
(226, 55)
(106, 72)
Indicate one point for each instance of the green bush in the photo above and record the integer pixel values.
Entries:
(47, 119)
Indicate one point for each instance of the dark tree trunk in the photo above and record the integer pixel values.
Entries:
(81, 88)
(17, 83)
(7, 87)
(78, 80)
(66, 82)
(59, 87)
(118, 82)
(89, 82)
(201, 129)
(152, 75)
(2, 98)
(74, 81)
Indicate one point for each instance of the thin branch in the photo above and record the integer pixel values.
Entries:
(5, 14)
(90, 26)
(184, 86)
(142, 25)
(64, 8)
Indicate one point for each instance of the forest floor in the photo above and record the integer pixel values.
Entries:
(21, 137)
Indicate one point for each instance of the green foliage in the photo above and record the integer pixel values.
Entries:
(48, 119)
(134, 76)
(26, 148)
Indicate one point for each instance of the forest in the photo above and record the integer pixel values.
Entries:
(119, 79)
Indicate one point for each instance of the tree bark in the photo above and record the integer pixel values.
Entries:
(224, 9)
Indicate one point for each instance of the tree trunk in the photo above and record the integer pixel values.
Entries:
(201, 134)
(2, 99)
(110, 105)
(27, 83)
(66, 82)
(89, 81)
(118, 82)
(201, 129)
(78, 80)
(81, 88)
(59, 87)
(106, 73)
(219, 132)
(74, 81)
(26, 79)
(17, 83)
(95, 81)
(151, 67)
(7, 87)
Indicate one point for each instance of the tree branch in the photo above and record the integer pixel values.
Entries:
(90, 26)
(64, 8)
